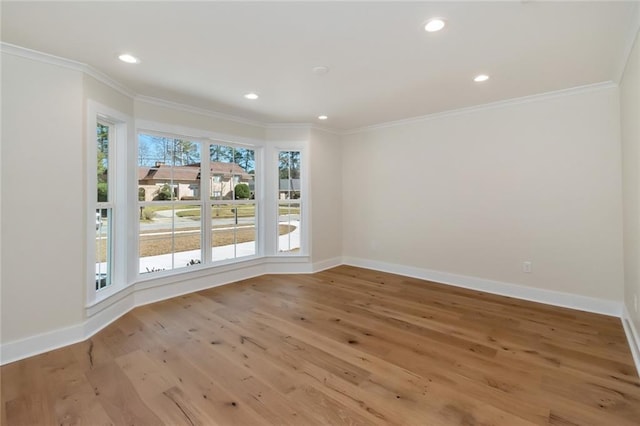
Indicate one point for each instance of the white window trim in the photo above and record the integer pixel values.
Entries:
(274, 183)
(122, 126)
(205, 138)
(127, 224)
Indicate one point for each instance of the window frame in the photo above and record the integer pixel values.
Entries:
(109, 204)
(258, 221)
(120, 125)
(142, 276)
(205, 139)
(305, 205)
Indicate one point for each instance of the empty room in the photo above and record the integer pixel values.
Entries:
(320, 213)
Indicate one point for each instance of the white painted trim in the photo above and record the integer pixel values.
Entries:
(307, 126)
(152, 294)
(145, 292)
(629, 43)
(329, 130)
(40, 343)
(35, 55)
(326, 264)
(46, 58)
(174, 130)
(114, 84)
(100, 76)
(118, 182)
(493, 105)
(103, 313)
(633, 337)
(549, 297)
(288, 126)
(197, 110)
(110, 313)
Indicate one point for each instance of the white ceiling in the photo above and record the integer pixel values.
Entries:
(383, 65)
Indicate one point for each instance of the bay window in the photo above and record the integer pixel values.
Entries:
(107, 249)
(172, 203)
(169, 203)
(196, 202)
(104, 198)
(289, 202)
(233, 204)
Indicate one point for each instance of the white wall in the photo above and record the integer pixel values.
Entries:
(42, 197)
(326, 192)
(166, 114)
(630, 132)
(479, 192)
(106, 95)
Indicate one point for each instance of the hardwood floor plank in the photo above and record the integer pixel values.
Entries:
(158, 389)
(119, 398)
(343, 346)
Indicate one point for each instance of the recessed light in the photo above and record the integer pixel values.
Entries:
(252, 96)
(322, 117)
(480, 78)
(434, 24)
(128, 58)
(321, 70)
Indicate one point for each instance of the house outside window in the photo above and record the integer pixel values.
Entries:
(107, 244)
(104, 197)
(289, 202)
(180, 225)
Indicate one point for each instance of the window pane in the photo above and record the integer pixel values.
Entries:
(171, 234)
(231, 167)
(170, 237)
(102, 164)
(246, 230)
(168, 169)
(289, 171)
(156, 238)
(187, 237)
(289, 222)
(233, 231)
(220, 154)
(223, 232)
(245, 159)
(103, 248)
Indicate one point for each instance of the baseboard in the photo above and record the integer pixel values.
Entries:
(327, 264)
(549, 297)
(144, 292)
(148, 292)
(40, 343)
(633, 337)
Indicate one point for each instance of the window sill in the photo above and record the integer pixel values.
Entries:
(108, 297)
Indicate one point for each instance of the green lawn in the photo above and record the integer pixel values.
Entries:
(154, 243)
(226, 211)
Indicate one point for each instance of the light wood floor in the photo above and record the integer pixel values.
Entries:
(344, 346)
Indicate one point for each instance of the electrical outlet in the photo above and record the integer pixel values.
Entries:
(526, 267)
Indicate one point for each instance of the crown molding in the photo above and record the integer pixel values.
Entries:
(306, 126)
(197, 110)
(493, 105)
(288, 126)
(328, 130)
(630, 42)
(46, 58)
(102, 77)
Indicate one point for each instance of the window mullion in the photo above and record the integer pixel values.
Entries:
(205, 199)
